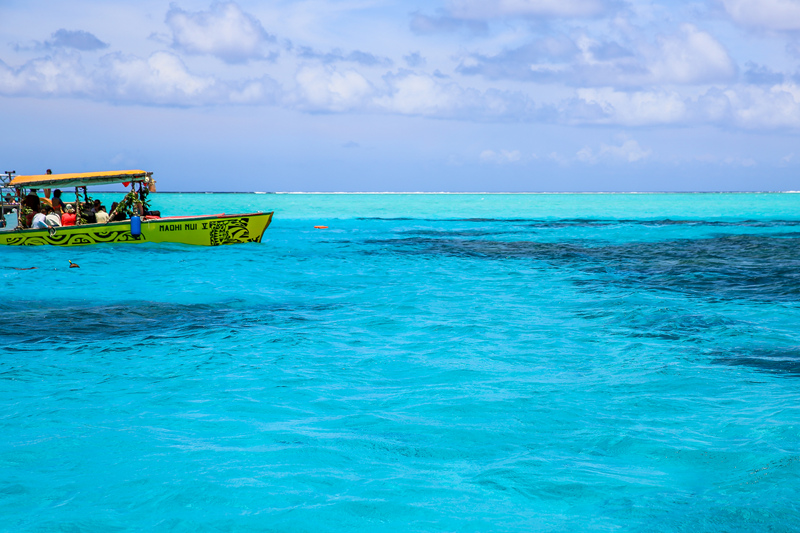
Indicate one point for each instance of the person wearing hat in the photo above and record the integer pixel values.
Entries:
(68, 218)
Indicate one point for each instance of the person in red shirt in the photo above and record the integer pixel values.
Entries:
(68, 218)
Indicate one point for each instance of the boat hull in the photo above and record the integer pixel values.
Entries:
(208, 230)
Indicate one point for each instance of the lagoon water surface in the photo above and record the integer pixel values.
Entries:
(427, 363)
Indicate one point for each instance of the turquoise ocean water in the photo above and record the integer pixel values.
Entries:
(620, 362)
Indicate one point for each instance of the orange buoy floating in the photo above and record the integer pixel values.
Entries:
(320, 227)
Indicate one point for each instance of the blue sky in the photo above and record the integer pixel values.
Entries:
(450, 95)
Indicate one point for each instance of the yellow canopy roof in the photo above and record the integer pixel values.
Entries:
(41, 181)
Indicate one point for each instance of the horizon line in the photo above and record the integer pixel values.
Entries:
(466, 192)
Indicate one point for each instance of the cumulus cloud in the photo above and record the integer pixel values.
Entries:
(164, 79)
(691, 56)
(418, 94)
(326, 89)
(688, 56)
(754, 107)
(740, 106)
(636, 108)
(411, 93)
(225, 31)
(780, 15)
(482, 9)
(161, 79)
(62, 74)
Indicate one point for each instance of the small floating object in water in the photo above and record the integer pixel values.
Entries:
(320, 227)
(73, 265)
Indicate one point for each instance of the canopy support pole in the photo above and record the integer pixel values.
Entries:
(77, 207)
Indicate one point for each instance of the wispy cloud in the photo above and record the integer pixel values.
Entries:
(66, 39)
(414, 60)
(481, 9)
(688, 56)
(336, 55)
(780, 15)
(78, 39)
(422, 24)
(501, 157)
(628, 151)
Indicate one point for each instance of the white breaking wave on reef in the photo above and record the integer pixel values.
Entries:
(530, 192)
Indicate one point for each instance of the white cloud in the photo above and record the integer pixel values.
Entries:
(740, 161)
(742, 106)
(410, 93)
(629, 151)
(501, 157)
(691, 56)
(416, 94)
(323, 88)
(687, 56)
(480, 9)
(59, 75)
(756, 107)
(160, 79)
(635, 108)
(225, 31)
(261, 91)
(767, 14)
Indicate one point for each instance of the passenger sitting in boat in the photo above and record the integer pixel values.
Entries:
(39, 219)
(114, 214)
(32, 202)
(57, 202)
(68, 218)
(101, 215)
(87, 215)
(51, 217)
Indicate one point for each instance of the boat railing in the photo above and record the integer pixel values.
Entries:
(9, 212)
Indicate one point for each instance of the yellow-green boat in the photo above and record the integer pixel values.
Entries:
(206, 230)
